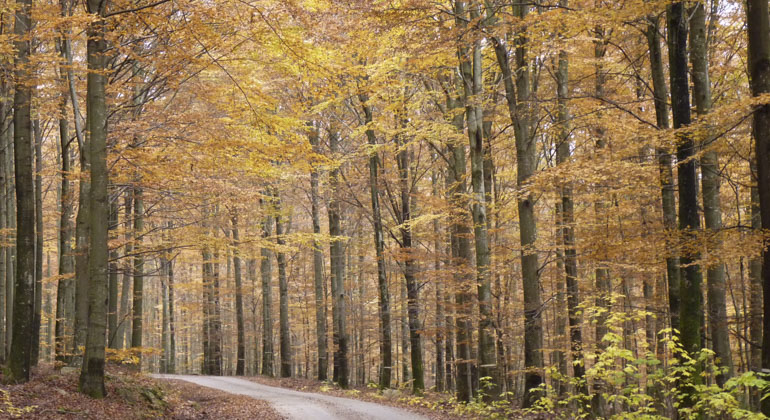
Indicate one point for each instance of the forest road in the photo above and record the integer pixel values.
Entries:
(299, 405)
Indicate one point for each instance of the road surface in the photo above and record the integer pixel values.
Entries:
(299, 405)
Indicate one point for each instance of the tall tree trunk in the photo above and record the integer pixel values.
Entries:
(5, 248)
(758, 26)
(412, 288)
(471, 70)
(660, 93)
(337, 259)
(92, 373)
(240, 366)
(171, 360)
(526, 154)
(38, 305)
(318, 268)
(691, 310)
(123, 332)
(23, 303)
(386, 342)
(10, 223)
(437, 281)
(568, 220)
(162, 263)
(520, 109)
(755, 278)
(266, 270)
(283, 290)
(216, 313)
(112, 286)
(138, 271)
(712, 210)
(207, 280)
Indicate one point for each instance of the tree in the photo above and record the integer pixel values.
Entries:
(92, 372)
(240, 366)
(318, 267)
(691, 309)
(337, 263)
(758, 27)
(20, 358)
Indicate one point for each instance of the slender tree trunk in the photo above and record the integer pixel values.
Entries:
(23, 303)
(171, 366)
(409, 264)
(568, 221)
(337, 257)
(526, 153)
(10, 223)
(471, 70)
(758, 26)
(266, 270)
(660, 92)
(691, 310)
(437, 281)
(138, 271)
(283, 291)
(318, 268)
(207, 280)
(164, 315)
(461, 256)
(755, 278)
(112, 286)
(92, 373)
(240, 366)
(386, 342)
(38, 305)
(124, 333)
(216, 314)
(712, 210)
(5, 249)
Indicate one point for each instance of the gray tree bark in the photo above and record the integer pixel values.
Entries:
(266, 270)
(386, 342)
(318, 268)
(337, 257)
(92, 372)
(240, 365)
(19, 360)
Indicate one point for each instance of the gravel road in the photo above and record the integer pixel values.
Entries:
(300, 405)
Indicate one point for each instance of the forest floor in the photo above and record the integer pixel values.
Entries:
(52, 394)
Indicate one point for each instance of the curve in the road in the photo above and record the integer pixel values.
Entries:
(299, 405)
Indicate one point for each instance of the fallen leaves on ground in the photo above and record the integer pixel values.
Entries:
(53, 394)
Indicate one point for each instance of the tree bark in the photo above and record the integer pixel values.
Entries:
(386, 342)
(23, 303)
(691, 309)
(92, 372)
(337, 257)
(712, 210)
(266, 270)
(471, 70)
(409, 265)
(563, 153)
(240, 366)
(318, 268)
(283, 291)
(758, 26)
(660, 93)
(38, 305)
(138, 271)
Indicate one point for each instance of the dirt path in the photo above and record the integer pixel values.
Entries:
(299, 405)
